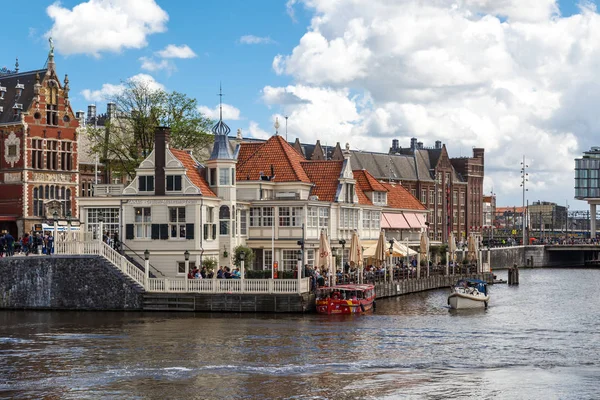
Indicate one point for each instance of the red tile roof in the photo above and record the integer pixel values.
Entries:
(191, 170)
(247, 149)
(276, 152)
(399, 197)
(324, 174)
(367, 182)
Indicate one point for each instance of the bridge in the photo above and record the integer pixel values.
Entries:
(575, 255)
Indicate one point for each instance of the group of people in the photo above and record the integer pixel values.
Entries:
(29, 243)
(222, 273)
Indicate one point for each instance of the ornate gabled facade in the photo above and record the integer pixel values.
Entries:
(39, 176)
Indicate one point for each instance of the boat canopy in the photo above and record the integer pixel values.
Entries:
(475, 283)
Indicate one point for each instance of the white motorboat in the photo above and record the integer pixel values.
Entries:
(469, 293)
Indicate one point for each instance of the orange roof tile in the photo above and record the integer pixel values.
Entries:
(324, 175)
(247, 149)
(191, 170)
(514, 209)
(399, 197)
(367, 182)
(276, 152)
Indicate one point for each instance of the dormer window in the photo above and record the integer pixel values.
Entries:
(17, 108)
(146, 183)
(2, 92)
(1, 109)
(380, 198)
(173, 183)
(19, 89)
(349, 193)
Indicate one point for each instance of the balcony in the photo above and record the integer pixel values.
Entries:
(108, 190)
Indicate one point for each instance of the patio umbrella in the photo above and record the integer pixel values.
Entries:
(324, 254)
(423, 246)
(471, 249)
(380, 249)
(452, 249)
(402, 250)
(356, 253)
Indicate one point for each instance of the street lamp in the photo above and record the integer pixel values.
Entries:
(342, 242)
(55, 217)
(391, 241)
(69, 223)
(147, 267)
(242, 261)
(101, 225)
(186, 255)
(299, 273)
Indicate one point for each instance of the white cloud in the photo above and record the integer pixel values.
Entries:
(256, 132)
(98, 26)
(150, 64)
(173, 51)
(251, 39)
(230, 112)
(511, 76)
(109, 90)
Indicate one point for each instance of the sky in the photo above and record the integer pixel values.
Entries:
(518, 78)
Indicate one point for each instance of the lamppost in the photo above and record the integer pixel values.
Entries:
(147, 267)
(342, 242)
(69, 224)
(55, 218)
(299, 274)
(186, 255)
(391, 255)
(101, 226)
(524, 180)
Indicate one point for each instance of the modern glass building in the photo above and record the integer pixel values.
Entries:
(587, 182)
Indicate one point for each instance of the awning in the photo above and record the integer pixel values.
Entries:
(414, 221)
(8, 217)
(46, 227)
(393, 221)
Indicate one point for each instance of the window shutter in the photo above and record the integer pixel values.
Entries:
(177, 182)
(164, 231)
(214, 231)
(155, 232)
(189, 231)
(129, 231)
(206, 227)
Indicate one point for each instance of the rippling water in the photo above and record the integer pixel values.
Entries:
(539, 340)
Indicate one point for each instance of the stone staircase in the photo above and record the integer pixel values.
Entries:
(124, 277)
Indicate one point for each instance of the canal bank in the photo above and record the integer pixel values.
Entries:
(93, 283)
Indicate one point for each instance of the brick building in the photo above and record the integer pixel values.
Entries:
(38, 150)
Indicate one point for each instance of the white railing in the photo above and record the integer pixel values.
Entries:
(170, 285)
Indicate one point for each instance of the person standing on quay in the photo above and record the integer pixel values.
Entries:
(50, 244)
(10, 244)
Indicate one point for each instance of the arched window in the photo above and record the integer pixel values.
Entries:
(41, 192)
(36, 201)
(62, 193)
(234, 226)
(47, 196)
(68, 201)
(224, 220)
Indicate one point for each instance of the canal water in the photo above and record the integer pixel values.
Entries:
(539, 340)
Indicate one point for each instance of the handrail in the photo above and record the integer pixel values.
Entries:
(140, 257)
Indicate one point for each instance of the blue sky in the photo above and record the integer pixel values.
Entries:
(510, 76)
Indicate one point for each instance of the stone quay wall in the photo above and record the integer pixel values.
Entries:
(408, 286)
(65, 283)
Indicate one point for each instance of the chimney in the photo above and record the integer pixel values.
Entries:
(395, 145)
(438, 144)
(161, 143)
(111, 110)
(420, 145)
(91, 116)
(80, 115)
(413, 143)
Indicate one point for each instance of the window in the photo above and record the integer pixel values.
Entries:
(439, 197)
(243, 222)
(349, 193)
(267, 216)
(212, 174)
(143, 222)
(66, 156)
(318, 217)
(323, 218)
(181, 266)
(210, 228)
(36, 153)
(454, 198)
(52, 154)
(375, 219)
(348, 218)
(12, 150)
(146, 183)
(290, 259)
(290, 216)
(424, 196)
(313, 217)
(174, 183)
(310, 257)
(109, 215)
(233, 176)
(268, 259)
(177, 222)
(413, 192)
(379, 197)
(255, 216)
(52, 104)
(37, 210)
(431, 197)
(224, 216)
(366, 219)
(224, 176)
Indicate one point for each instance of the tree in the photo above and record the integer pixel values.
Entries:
(128, 138)
(248, 256)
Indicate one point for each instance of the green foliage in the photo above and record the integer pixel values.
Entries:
(210, 263)
(124, 141)
(259, 274)
(248, 256)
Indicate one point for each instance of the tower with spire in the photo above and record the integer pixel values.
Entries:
(221, 171)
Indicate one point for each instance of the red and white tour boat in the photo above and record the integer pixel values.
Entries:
(345, 299)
